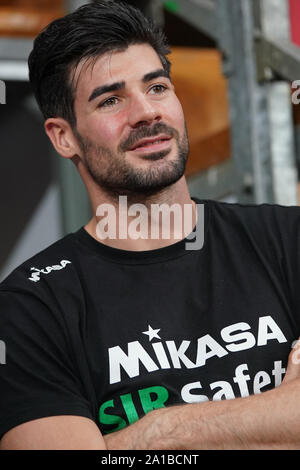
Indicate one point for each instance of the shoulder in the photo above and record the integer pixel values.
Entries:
(273, 228)
(254, 209)
(36, 272)
(40, 292)
(255, 215)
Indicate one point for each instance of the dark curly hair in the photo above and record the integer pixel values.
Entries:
(90, 31)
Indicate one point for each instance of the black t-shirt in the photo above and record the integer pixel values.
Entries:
(108, 334)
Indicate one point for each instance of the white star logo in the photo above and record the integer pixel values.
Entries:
(152, 333)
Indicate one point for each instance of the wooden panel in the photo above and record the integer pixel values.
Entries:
(202, 90)
(38, 4)
(27, 17)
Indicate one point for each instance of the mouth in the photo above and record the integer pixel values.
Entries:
(154, 144)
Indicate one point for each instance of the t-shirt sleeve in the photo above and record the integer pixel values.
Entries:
(278, 231)
(38, 376)
(289, 239)
(273, 233)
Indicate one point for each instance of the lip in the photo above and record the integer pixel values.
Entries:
(145, 146)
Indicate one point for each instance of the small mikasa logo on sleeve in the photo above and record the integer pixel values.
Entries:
(36, 273)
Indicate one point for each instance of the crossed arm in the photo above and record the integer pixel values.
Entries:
(270, 420)
(267, 421)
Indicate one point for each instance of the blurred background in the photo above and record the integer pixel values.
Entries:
(236, 64)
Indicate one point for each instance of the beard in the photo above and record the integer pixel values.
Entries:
(117, 176)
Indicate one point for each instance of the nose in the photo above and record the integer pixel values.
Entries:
(142, 111)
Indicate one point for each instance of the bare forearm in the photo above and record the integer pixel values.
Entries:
(267, 421)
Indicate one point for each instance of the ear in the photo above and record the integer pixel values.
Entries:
(62, 137)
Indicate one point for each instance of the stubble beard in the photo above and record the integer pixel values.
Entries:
(115, 176)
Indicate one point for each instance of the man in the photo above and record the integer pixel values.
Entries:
(105, 333)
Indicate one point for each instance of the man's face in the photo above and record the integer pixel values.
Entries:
(130, 124)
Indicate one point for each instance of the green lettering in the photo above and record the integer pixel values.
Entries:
(161, 396)
(129, 408)
(109, 419)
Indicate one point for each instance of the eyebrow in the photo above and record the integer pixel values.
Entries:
(121, 85)
(156, 74)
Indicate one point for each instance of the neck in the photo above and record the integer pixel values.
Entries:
(143, 222)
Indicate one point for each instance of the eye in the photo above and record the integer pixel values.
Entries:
(158, 89)
(109, 102)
